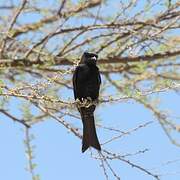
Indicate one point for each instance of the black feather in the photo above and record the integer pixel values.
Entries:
(86, 83)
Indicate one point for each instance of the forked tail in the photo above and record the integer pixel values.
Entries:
(89, 130)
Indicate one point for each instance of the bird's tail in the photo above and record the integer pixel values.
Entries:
(89, 130)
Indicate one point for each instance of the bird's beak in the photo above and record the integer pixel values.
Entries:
(94, 58)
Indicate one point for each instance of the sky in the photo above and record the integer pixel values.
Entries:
(58, 152)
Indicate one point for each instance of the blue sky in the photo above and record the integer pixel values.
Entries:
(58, 152)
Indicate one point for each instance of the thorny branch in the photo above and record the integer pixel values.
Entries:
(38, 58)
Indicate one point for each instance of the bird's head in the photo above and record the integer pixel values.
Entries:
(89, 58)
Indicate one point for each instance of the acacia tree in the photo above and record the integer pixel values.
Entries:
(138, 47)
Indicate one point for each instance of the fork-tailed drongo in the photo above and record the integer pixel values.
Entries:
(86, 83)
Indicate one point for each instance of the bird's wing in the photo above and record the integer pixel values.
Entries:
(75, 76)
(99, 77)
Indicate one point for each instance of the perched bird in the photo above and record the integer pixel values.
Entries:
(86, 84)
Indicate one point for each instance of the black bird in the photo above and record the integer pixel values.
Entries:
(86, 83)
